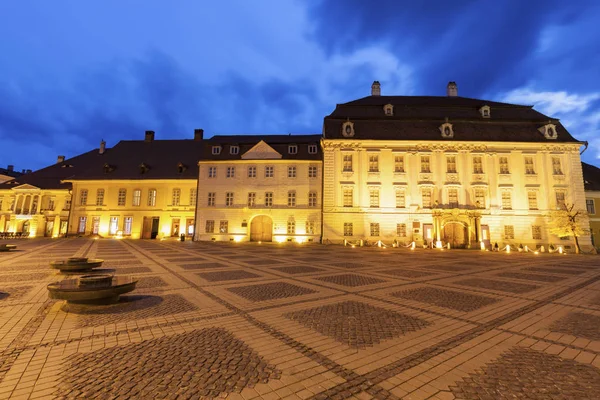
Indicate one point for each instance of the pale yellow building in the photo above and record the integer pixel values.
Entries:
(260, 188)
(591, 177)
(439, 170)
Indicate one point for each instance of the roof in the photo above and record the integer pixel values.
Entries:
(419, 118)
(50, 177)
(6, 172)
(591, 176)
(139, 159)
(279, 143)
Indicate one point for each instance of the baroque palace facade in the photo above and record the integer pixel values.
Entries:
(429, 169)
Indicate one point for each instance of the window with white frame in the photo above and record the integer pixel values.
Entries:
(348, 231)
(268, 199)
(234, 150)
(310, 227)
(137, 197)
(529, 167)
(82, 224)
(291, 227)
(425, 164)
(453, 197)
(399, 164)
(122, 197)
(223, 227)
(347, 163)
(477, 165)
(291, 198)
(113, 225)
(50, 203)
(374, 228)
(532, 200)
(426, 197)
(348, 197)
(209, 227)
(269, 172)
(479, 197)
(216, 150)
(211, 199)
(312, 199)
(193, 196)
(176, 197)
(152, 197)
(251, 172)
(312, 171)
(83, 194)
(230, 172)
(506, 200)
(509, 232)
(374, 198)
(291, 172)
(556, 166)
(560, 199)
(293, 149)
(127, 224)
(212, 172)
(536, 232)
(400, 198)
(99, 197)
(451, 164)
(590, 206)
(251, 199)
(401, 230)
(503, 161)
(373, 163)
(229, 199)
(312, 149)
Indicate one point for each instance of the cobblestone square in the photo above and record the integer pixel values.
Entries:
(311, 322)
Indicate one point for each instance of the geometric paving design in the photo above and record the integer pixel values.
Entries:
(595, 301)
(531, 277)
(501, 286)
(528, 374)
(227, 275)
(210, 362)
(203, 266)
(446, 298)
(450, 268)
(357, 324)
(150, 282)
(556, 271)
(346, 265)
(351, 280)
(14, 293)
(130, 308)
(297, 269)
(23, 277)
(132, 270)
(407, 273)
(270, 291)
(578, 324)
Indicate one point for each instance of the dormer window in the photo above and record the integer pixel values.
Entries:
(312, 149)
(348, 129)
(234, 150)
(181, 168)
(549, 131)
(144, 168)
(485, 111)
(108, 168)
(293, 149)
(447, 131)
(388, 109)
(216, 150)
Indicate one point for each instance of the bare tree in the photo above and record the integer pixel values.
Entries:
(566, 222)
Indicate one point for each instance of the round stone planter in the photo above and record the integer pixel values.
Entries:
(7, 247)
(92, 289)
(76, 264)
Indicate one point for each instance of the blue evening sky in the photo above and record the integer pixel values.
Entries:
(74, 72)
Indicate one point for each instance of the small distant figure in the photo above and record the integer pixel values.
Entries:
(496, 247)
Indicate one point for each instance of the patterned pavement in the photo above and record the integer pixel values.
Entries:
(249, 321)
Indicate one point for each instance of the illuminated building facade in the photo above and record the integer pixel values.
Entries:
(260, 188)
(591, 180)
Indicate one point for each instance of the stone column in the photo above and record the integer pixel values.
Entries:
(2, 223)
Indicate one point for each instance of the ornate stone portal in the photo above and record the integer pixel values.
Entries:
(459, 227)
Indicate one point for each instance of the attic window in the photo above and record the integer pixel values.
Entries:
(312, 149)
(144, 168)
(388, 109)
(66, 166)
(216, 150)
(549, 131)
(181, 168)
(108, 168)
(485, 111)
(293, 149)
(348, 129)
(234, 149)
(447, 131)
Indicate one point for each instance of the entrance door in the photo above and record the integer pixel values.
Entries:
(147, 228)
(95, 225)
(49, 228)
(26, 227)
(485, 235)
(154, 231)
(455, 233)
(428, 233)
(175, 227)
(261, 229)
(189, 223)
(63, 226)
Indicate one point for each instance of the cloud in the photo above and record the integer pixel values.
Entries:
(551, 103)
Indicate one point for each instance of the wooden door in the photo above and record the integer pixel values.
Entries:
(261, 229)
(147, 228)
(455, 234)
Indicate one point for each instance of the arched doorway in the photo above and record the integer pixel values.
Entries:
(261, 229)
(455, 233)
(25, 227)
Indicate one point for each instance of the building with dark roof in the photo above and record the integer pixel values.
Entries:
(591, 182)
(8, 173)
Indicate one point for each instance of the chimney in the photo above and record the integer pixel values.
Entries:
(198, 134)
(376, 89)
(28, 171)
(60, 159)
(11, 168)
(23, 171)
(452, 89)
(149, 136)
(102, 147)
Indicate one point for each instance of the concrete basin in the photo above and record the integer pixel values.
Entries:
(92, 289)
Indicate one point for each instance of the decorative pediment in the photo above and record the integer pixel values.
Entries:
(388, 109)
(25, 186)
(261, 151)
(446, 129)
(549, 131)
(485, 111)
(348, 129)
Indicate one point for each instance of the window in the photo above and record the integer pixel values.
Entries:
(269, 199)
(122, 197)
(398, 163)
(504, 165)
(480, 198)
(176, 197)
(291, 227)
(425, 164)
(212, 172)
(228, 199)
(152, 197)
(347, 163)
(82, 223)
(529, 170)
(400, 199)
(223, 227)
(137, 197)
(312, 199)
(374, 229)
(268, 172)
(1, 200)
(211, 199)
(401, 230)
(234, 149)
(312, 171)
(374, 163)
(536, 232)
(193, 195)
(374, 198)
(128, 222)
(532, 200)
(291, 172)
(477, 165)
(348, 229)
(251, 199)
(509, 232)
(506, 200)
(216, 150)
(453, 197)
(348, 197)
(560, 199)
(312, 149)
(426, 198)
(293, 149)
(113, 226)
(251, 172)
(231, 172)
(99, 197)
(556, 168)
(50, 203)
(591, 207)
(67, 205)
(310, 227)
(210, 226)
(83, 197)
(291, 199)
(451, 165)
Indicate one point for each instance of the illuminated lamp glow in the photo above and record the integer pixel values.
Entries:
(560, 249)
(535, 252)
(300, 240)
(237, 239)
(438, 244)
(279, 239)
(482, 245)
